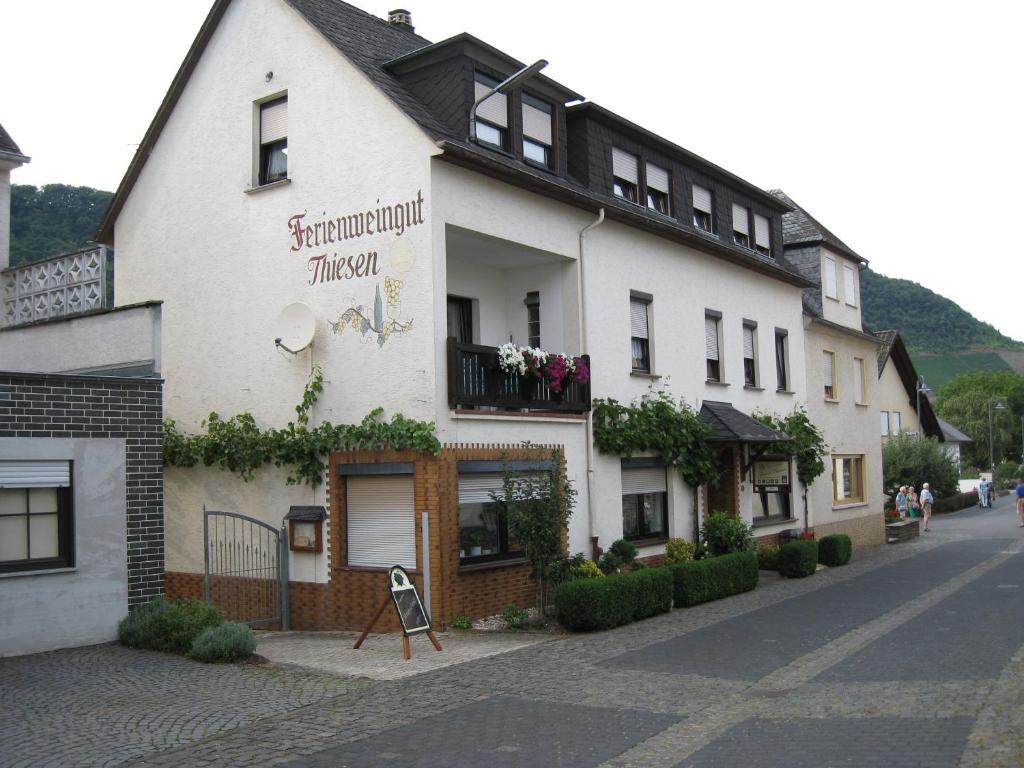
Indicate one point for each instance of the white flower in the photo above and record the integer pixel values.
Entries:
(510, 358)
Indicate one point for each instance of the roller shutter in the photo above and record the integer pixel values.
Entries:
(381, 521)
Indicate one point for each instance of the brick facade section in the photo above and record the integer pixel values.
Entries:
(130, 409)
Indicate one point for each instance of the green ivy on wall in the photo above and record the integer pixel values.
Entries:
(237, 444)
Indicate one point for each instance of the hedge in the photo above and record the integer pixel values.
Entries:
(956, 502)
(798, 559)
(700, 581)
(169, 627)
(585, 605)
(835, 549)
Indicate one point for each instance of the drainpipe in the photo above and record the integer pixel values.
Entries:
(582, 319)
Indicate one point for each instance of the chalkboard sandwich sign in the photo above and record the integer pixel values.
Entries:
(406, 598)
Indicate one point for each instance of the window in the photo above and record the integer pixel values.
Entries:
(658, 189)
(639, 330)
(858, 380)
(885, 423)
(36, 525)
(831, 290)
(894, 422)
(532, 302)
(850, 284)
(536, 131)
(772, 489)
(381, 521)
(762, 235)
(460, 319)
(712, 343)
(273, 141)
(749, 354)
(491, 114)
(703, 216)
(483, 522)
(847, 479)
(740, 225)
(624, 173)
(644, 504)
(781, 358)
(828, 374)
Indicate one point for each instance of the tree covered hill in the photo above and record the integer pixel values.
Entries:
(53, 219)
(928, 322)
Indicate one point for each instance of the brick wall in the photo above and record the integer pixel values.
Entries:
(131, 409)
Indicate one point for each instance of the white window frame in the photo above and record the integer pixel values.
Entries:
(850, 284)
(895, 423)
(884, 423)
(831, 280)
(829, 356)
(860, 383)
(837, 461)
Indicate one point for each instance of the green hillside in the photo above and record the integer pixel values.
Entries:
(53, 219)
(928, 322)
(938, 369)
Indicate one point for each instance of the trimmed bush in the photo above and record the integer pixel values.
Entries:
(700, 581)
(168, 627)
(621, 554)
(678, 551)
(724, 534)
(956, 502)
(138, 629)
(798, 559)
(768, 558)
(585, 605)
(230, 641)
(835, 549)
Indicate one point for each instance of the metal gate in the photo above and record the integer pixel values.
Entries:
(246, 568)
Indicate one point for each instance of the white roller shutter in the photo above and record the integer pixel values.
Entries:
(494, 109)
(858, 379)
(657, 178)
(624, 165)
(537, 124)
(894, 423)
(273, 121)
(711, 337)
(740, 222)
(885, 423)
(648, 480)
(702, 199)
(830, 278)
(35, 474)
(829, 360)
(381, 521)
(762, 236)
(477, 489)
(850, 284)
(638, 319)
(748, 342)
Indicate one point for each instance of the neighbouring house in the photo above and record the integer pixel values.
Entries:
(842, 391)
(902, 395)
(952, 439)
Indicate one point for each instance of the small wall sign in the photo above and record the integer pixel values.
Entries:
(771, 473)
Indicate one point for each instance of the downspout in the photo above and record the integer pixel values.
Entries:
(582, 319)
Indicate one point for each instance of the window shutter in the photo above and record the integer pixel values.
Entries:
(829, 360)
(657, 178)
(648, 480)
(748, 342)
(702, 199)
(274, 121)
(494, 109)
(477, 489)
(850, 283)
(638, 319)
(762, 236)
(624, 165)
(858, 379)
(381, 521)
(537, 124)
(885, 423)
(830, 278)
(739, 219)
(35, 474)
(711, 337)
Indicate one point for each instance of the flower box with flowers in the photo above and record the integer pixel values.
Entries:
(555, 371)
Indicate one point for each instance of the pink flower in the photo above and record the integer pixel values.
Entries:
(582, 373)
(557, 371)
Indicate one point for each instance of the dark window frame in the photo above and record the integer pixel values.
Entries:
(636, 342)
(269, 150)
(65, 536)
(505, 551)
(503, 133)
(465, 306)
(750, 363)
(713, 368)
(532, 302)
(761, 493)
(781, 361)
(528, 100)
(643, 533)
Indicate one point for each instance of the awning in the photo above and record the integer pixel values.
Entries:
(306, 514)
(729, 425)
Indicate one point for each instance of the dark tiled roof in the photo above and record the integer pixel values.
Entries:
(7, 144)
(800, 228)
(887, 337)
(951, 433)
(893, 349)
(731, 426)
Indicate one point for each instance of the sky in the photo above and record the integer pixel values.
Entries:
(898, 125)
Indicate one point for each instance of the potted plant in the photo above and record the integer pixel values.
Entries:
(476, 540)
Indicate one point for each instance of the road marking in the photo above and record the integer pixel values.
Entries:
(1007, 586)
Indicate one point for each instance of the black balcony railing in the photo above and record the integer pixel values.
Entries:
(476, 380)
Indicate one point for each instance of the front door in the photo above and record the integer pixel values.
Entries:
(723, 497)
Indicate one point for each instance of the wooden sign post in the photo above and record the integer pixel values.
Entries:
(402, 592)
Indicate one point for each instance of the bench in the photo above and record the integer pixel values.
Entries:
(904, 530)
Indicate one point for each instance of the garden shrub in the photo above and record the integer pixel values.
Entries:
(515, 616)
(461, 621)
(678, 551)
(579, 566)
(169, 627)
(700, 581)
(621, 554)
(725, 533)
(585, 605)
(230, 641)
(798, 559)
(956, 502)
(652, 592)
(835, 549)
(768, 558)
(138, 628)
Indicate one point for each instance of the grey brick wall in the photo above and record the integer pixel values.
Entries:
(54, 405)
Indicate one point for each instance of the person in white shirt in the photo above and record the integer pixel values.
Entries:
(926, 503)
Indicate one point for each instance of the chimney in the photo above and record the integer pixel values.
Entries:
(401, 18)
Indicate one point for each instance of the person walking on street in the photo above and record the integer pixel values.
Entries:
(926, 503)
(1020, 503)
(901, 502)
(983, 494)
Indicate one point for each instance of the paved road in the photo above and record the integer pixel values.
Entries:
(913, 655)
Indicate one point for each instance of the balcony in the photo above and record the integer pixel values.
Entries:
(61, 286)
(475, 380)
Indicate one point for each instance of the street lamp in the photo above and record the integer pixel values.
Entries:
(503, 87)
(991, 442)
(922, 388)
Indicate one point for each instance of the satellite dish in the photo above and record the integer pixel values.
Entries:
(295, 327)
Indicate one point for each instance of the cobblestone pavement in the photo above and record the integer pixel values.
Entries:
(911, 655)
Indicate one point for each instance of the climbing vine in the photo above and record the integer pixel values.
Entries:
(238, 444)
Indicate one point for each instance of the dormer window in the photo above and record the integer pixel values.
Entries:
(492, 114)
(740, 225)
(536, 131)
(624, 173)
(762, 235)
(657, 189)
(703, 217)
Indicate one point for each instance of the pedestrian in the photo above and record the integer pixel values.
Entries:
(1020, 503)
(983, 493)
(901, 502)
(913, 505)
(926, 503)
